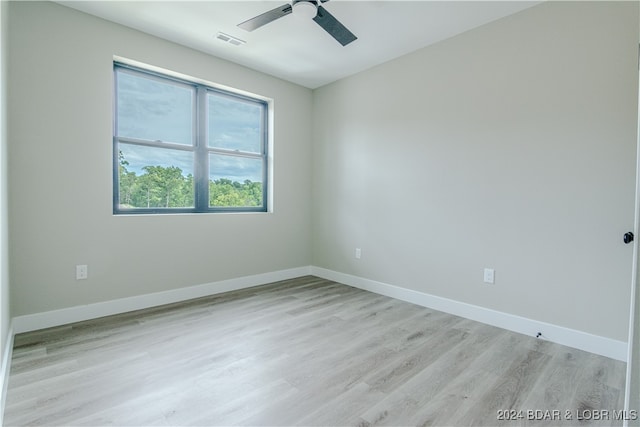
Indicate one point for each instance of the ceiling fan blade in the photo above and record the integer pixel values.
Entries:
(332, 26)
(265, 18)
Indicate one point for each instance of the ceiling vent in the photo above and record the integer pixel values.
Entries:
(229, 39)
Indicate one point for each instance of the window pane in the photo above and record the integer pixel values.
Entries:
(154, 110)
(235, 181)
(235, 124)
(152, 177)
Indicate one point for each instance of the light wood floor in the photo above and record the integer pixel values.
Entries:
(300, 352)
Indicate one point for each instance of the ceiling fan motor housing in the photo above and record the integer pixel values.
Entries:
(307, 8)
(313, 2)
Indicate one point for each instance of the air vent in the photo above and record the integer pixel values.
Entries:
(229, 39)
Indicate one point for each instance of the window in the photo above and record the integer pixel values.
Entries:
(181, 146)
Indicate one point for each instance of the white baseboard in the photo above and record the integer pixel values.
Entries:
(558, 334)
(4, 372)
(33, 322)
(570, 337)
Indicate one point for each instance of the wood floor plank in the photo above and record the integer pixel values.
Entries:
(509, 392)
(400, 406)
(304, 351)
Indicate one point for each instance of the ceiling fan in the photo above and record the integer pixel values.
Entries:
(310, 8)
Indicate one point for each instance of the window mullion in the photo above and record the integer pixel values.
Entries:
(235, 153)
(202, 158)
(157, 144)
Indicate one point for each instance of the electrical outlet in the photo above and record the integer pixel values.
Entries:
(489, 275)
(82, 272)
(358, 253)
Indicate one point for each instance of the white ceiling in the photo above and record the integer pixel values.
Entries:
(299, 50)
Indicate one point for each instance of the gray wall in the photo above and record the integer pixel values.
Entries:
(60, 68)
(5, 314)
(511, 146)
